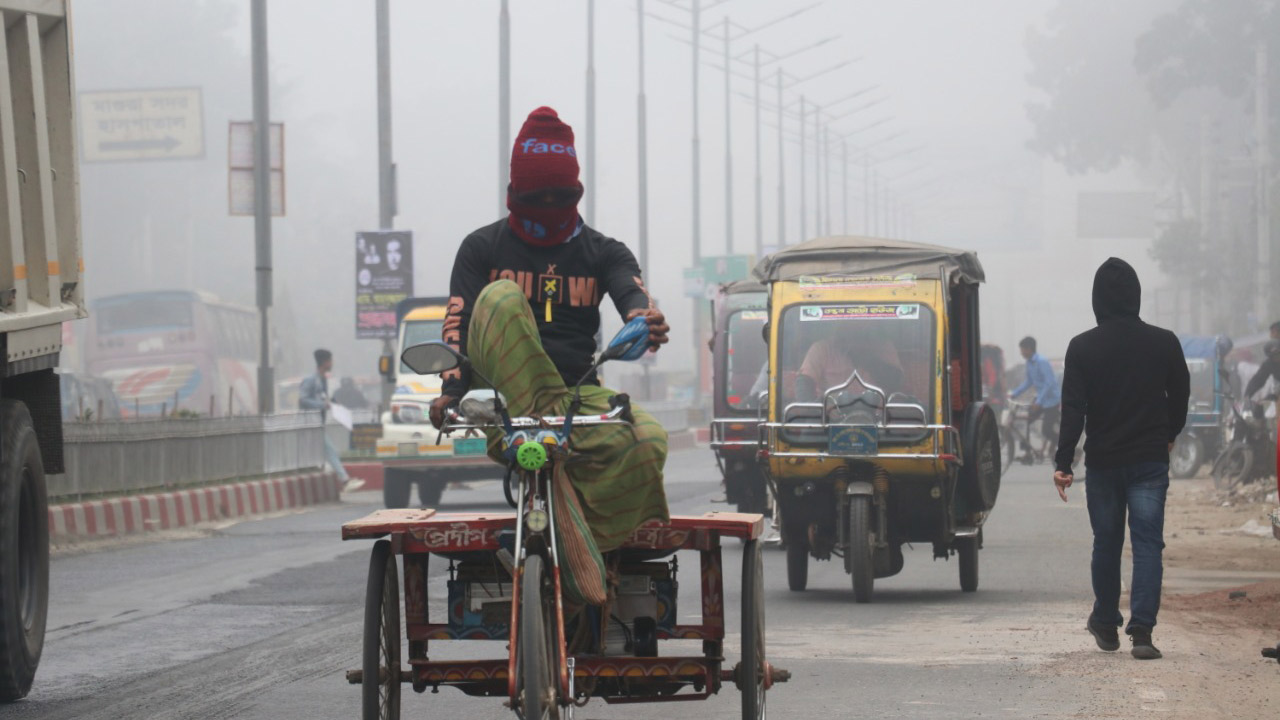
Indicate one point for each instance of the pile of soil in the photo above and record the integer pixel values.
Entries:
(1255, 606)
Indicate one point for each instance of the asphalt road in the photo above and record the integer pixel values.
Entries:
(261, 619)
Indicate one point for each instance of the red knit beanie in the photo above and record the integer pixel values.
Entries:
(543, 156)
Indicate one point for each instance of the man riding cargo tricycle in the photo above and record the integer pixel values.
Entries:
(877, 432)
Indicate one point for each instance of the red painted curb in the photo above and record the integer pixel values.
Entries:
(184, 508)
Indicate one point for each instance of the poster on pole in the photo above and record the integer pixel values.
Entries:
(240, 182)
(384, 277)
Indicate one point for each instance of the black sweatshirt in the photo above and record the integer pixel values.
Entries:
(1128, 379)
(1270, 369)
(572, 276)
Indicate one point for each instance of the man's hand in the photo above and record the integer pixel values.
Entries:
(658, 327)
(1171, 447)
(438, 406)
(1035, 407)
(1062, 481)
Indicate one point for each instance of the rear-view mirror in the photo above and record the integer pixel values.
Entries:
(432, 358)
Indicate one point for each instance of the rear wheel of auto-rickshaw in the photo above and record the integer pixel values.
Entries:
(430, 489)
(1187, 456)
(751, 668)
(967, 554)
(861, 544)
(797, 564)
(380, 686)
(537, 696)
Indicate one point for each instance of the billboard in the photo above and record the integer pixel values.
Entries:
(384, 277)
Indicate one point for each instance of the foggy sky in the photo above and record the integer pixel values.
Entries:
(954, 74)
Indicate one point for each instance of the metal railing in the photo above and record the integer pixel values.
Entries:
(143, 455)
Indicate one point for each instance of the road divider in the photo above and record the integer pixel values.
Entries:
(134, 514)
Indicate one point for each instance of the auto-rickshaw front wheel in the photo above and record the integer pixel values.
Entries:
(967, 554)
(797, 565)
(861, 546)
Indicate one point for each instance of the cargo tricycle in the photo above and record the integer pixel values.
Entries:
(506, 580)
(877, 432)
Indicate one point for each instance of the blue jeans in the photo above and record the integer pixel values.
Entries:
(1139, 488)
(335, 462)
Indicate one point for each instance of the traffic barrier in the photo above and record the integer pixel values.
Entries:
(184, 508)
(128, 457)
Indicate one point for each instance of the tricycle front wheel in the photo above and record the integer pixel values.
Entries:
(380, 687)
(536, 661)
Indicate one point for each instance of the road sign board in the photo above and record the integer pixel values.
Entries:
(117, 125)
(240, 163)
(694, 282)
(722, 269)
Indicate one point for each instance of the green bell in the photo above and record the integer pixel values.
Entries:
(531, 456)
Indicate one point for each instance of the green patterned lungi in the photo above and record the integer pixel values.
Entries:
(615, 469)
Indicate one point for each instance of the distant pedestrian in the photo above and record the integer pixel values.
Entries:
(348, 395)
(1128, 382)
(1046, 407)
(314, 395)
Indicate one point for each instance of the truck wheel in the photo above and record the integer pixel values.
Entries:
(24, 551)
(396, 484)
(430, 489)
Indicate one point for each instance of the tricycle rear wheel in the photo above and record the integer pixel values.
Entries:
(861, 567)
(751, 668)
(380, 687)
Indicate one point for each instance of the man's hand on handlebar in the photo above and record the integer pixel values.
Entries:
(438, 408)
(658, 327)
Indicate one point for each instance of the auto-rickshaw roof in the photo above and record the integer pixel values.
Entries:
(743, 286)
(851, 254)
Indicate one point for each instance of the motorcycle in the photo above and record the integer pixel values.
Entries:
(1245, 458)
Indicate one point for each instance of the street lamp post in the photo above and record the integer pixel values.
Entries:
(643, 149)
(504, 103)
(262, 203)
(591, 111)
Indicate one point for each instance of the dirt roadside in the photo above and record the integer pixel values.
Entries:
(1220, 608)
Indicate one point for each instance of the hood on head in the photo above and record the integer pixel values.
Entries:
(1116, 291)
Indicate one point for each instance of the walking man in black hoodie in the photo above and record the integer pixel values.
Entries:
(1128, 382)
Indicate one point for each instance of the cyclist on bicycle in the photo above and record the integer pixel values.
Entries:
(1270, 369)
(524, 307)
(1047, 406)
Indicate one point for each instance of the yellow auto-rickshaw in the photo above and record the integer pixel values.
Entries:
(877, 431)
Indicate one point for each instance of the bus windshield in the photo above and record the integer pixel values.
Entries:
(747, 357)
(417, 332)
(144, 314)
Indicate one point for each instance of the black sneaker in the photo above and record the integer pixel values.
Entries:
(1107, 636)
(1142, 647)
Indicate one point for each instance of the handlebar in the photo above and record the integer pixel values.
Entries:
(619, 415)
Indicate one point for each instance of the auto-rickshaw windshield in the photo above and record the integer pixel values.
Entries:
(747, 358)
(890, 345)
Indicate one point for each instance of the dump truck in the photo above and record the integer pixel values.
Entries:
(41, 288)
